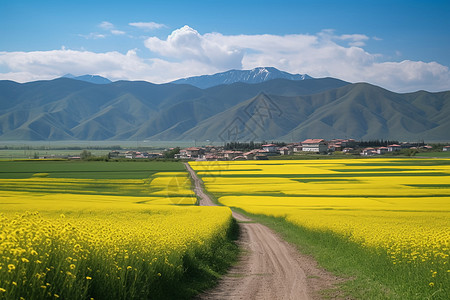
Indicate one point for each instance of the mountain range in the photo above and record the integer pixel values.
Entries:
(256, 75)
(277, 109)
(89, 78)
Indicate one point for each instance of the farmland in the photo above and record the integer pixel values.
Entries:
(384, 223)
(76, 230)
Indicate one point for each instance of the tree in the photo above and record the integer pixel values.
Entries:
(84, 155)
(171, 153)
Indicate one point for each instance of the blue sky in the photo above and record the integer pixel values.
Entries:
(399, 45)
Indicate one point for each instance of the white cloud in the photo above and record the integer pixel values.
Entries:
(147, 25)
(356, 40)
(186, 52)
(111, 28)
(93, 36)
(106, 25)
(187, 44)
(42, 65)
(117, 32)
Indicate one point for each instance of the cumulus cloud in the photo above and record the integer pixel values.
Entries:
(187, 44)
(186, 52)
(147, 25)
(40, 65)
(318, 55)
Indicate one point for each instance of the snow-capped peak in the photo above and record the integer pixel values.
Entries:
(256, 75)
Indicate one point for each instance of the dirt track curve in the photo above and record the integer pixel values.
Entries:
(269, 268)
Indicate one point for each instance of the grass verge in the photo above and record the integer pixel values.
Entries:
(370, 272)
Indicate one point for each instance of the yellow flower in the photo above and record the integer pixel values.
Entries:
(88, 277)
(431, 284)
(72, 266)
(2, 290)
(11, 267)
(25, 260)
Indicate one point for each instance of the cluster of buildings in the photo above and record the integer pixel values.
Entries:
(392, 148)
(320, 146)
(309, 145)
(131, 154)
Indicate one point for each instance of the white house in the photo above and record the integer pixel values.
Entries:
(270, 148)
(314, 145)
(446, 148)
(369, 152)
(297, 147)
(394, 147)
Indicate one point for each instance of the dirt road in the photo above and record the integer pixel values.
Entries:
(270, 268)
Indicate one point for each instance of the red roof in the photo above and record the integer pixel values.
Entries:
(269, 145)
(312, 141)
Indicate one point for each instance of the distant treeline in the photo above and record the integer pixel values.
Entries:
(47, 147)
(376, 143)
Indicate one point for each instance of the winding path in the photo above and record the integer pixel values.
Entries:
(270, 268)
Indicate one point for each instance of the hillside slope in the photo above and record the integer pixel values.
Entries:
(280, 109)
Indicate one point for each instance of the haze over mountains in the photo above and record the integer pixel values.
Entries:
(277, 109)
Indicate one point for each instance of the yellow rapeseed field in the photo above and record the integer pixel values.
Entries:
(105, 238)
(397, 207)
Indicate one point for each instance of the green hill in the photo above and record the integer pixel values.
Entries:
(280, 109)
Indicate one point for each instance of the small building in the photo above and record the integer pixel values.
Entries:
(394, 147)
(285, 151)
(314, 145)
(446, 148)
(250, 154)
(382, 150)
(335, 146)
(230, 155)
(297, 147)
(194, 152)
(369, 152)
(270, 148)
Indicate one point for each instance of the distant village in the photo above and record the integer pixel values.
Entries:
(318, 146)
(262, 151)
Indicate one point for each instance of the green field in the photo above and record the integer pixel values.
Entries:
(88, 170)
